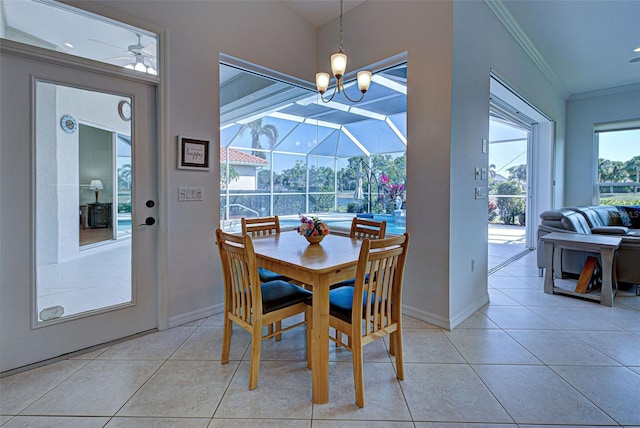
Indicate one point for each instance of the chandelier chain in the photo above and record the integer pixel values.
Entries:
(341, 25)
(338, 67)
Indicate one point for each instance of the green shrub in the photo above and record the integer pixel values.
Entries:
(614, 201)
(124, 207)
(509, 207)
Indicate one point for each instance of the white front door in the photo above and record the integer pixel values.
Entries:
(78, 201)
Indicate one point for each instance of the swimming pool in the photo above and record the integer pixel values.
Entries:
(124, 224)
(345, 223)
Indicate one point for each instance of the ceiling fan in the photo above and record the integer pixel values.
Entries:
(143, 57)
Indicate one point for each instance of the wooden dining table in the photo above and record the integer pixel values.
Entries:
(319, 265)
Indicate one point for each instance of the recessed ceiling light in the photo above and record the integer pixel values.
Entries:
(69, 45)
(637, 49)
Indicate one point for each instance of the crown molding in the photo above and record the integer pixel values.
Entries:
(607, 91)
(504, 16)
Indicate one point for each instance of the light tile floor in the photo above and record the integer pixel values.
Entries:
(526, 359)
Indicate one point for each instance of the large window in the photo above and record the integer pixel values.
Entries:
(618, 168)
(285, 152)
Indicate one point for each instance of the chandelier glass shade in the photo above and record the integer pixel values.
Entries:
(339, 68)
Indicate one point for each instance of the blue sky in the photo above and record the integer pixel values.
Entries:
(619, 145)
(506, 155)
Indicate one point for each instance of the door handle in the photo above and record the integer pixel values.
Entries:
(149, 221)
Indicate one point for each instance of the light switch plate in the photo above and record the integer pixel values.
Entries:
(481, 192)
(484, 145)
(483, 174)
(182, 194)
(477, 173)
(188, 194)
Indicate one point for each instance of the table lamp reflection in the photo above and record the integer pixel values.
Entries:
(97, 186)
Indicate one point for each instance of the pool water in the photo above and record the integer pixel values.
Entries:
(124, 224)
(393, 228)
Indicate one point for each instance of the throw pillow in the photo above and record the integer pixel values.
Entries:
(624, 216)
(634, 216)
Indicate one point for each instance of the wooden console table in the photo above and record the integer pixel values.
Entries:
(100, 214)
(606, 245)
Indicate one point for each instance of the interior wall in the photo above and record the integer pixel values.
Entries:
(95, 163)
(425, 34)
(481, 45)
(583, 111)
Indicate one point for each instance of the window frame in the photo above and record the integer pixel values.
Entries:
(610, 127)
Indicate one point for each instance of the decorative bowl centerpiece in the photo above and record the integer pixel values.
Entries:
(313, 229)
(315, 239)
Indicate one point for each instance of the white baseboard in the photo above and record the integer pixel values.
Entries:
(426, 316)
(408, 310)
(195, 315)
(470, 310)
(444, 322)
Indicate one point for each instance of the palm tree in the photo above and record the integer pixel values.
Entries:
(612, 172)
(492, 170)
(257, 129)
(518, 172)
(632, 166)
(124, 177)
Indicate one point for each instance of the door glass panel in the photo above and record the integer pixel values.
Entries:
(507, 201)
(83, 201)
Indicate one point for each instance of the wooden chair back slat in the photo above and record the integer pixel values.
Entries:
(260, 226)
(363, 228)
(242, 283)
(243, 302)
(377, 301)
(382, 261)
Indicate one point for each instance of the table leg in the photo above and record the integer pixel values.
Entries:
(608, 277)
(320, 342)
(548, 265)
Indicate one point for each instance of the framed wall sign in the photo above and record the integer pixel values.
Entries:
(193, 153)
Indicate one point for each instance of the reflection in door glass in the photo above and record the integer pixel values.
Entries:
(99, 39)
(83, 201)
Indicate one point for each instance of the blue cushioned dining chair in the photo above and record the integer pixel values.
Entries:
(372, 309)
(253, 304)
(261, 226)
(360, 229)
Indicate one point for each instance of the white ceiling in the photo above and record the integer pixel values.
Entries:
(320, 12)
(587, 44)
(581, 45)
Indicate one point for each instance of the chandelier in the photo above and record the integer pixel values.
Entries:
(338, 68)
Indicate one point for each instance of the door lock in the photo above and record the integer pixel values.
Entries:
(149, 221)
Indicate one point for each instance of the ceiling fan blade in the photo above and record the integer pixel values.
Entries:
(150, 49)
(113, 58)
(108, 44)
(635, 59)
